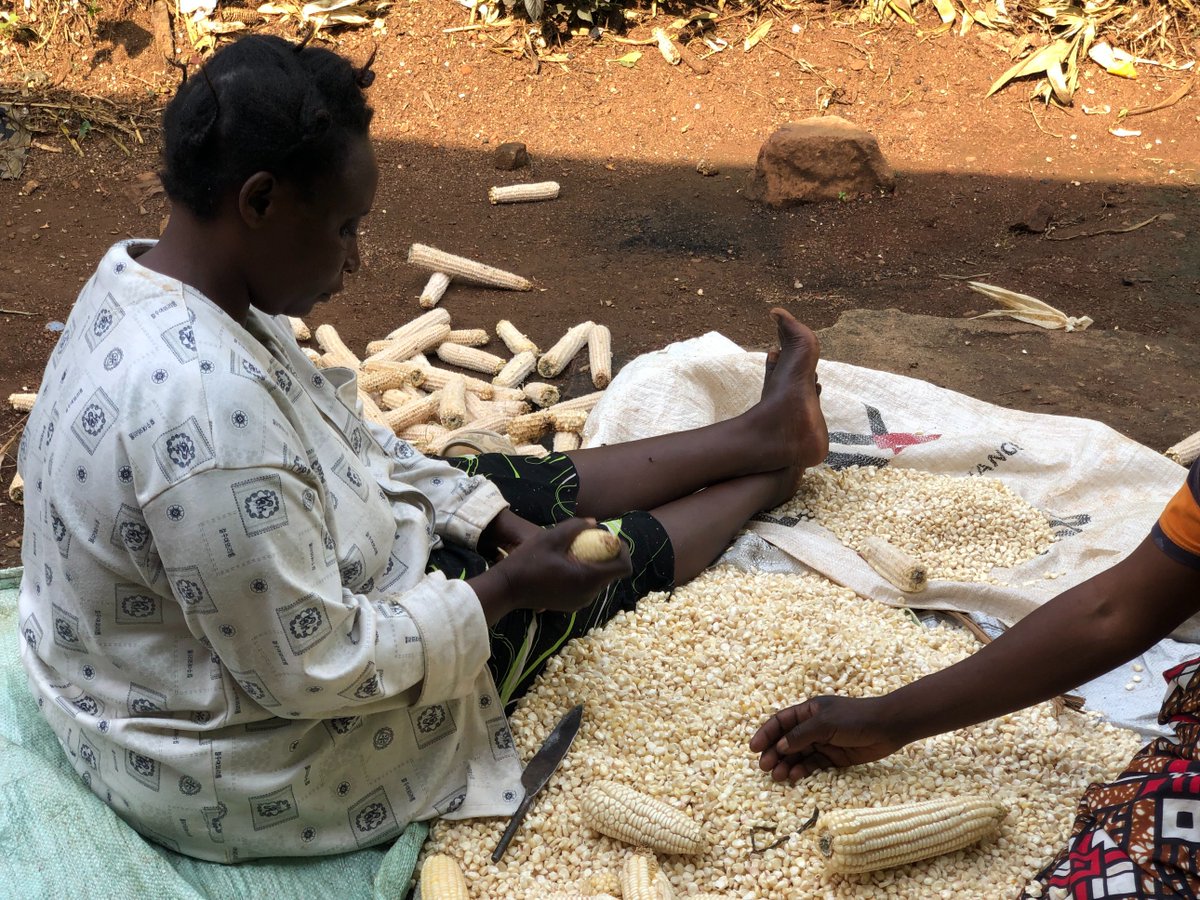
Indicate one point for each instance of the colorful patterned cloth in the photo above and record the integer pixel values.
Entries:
(1138, 838)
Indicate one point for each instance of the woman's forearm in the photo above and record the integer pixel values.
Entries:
(1084, 632)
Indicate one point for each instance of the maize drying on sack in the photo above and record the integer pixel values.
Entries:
(434, 407)
(673, 692)
(957, 529)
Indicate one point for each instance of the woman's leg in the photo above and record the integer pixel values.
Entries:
(783, 432)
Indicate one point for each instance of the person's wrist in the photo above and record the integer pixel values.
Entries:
(895, 719)
(496, 596)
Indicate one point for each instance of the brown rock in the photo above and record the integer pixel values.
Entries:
(824, 158)
(164, 35)
(1036, 219)
(511, 155)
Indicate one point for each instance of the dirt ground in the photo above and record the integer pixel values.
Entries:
(643, 243)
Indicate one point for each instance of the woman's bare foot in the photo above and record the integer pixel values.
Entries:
(787, 420)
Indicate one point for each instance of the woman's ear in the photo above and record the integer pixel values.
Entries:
(255, 198)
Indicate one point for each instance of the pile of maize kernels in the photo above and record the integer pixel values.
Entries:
(960, 528)
(674, 691)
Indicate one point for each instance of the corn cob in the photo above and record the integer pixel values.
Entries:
(470, 358)
(642, 879)
(513, 339)
(313, 356)
(557, 357)
(894, 564)
(565, 441)
(667, 47)
(600, 355)
(394, 398)
(442, 879)
(529, 428)
(420, 323)
(469, 337)
(585, 403)
(452, 410)
(427, 257)
(567, 419)
(299, 329)
(541, 394)
(446, 440)
(422, 436)
(478, 408)
(411, 343)
(16, 489)
(1186, 451)
(382, 376)
(370, 409)
(596, 545)
(336, 351)
(536, 450)
(515, 370)
(415, 412)
(865, 840)
(436, 378)
(635, 818)
(521, 193)
(22, 402)
(434, 288)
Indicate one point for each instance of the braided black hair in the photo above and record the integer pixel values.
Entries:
(261, 104)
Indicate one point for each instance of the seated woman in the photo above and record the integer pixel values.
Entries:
(258, 624)
(1138, 837)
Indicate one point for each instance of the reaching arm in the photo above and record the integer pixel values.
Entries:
(1108, 619)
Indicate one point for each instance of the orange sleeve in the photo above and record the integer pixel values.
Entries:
(1177, 532)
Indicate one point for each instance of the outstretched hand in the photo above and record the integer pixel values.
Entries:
(824, 733)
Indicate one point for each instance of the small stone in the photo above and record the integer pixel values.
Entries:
(510, 155)
(1036, 219)
(707, 169)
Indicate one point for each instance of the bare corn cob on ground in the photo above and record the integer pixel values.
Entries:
(436, 260)
(854, 841)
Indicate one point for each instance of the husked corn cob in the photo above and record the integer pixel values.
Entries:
(299, 329)
(536, 450)
(1186, 451)
(16, 489)
(452, 411)
(411, 343)
(529, 428)
(584, 403)
(567, 419)
(336, 351)
(478, 409)
(22, 402)
(515, 370)
(394, 398)
(513, 339)
(420, 323)
(371, 410)
(383, 376)
(470, 358)
(894, 564)
(596, 545)
(667, 47)
(469, 337)
(565, 441)
(628, 815)
(541, 394)
(415, 412)
(560, 355)
(434, 289)
(865, 840)
(442, 879)
(436, 378)
(313, 356)
(600, 355)
(521, 193)
(436, 260)
(422, 436)
(642, 879)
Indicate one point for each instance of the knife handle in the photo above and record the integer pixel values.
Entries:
(513, 824)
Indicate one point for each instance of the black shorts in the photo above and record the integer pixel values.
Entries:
(544, 491)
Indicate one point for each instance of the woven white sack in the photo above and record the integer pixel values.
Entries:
(1100, 490)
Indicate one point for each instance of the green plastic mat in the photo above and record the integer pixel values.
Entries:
(60, 841)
